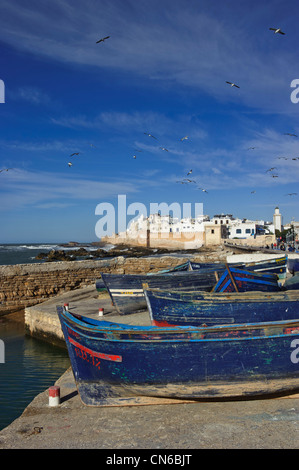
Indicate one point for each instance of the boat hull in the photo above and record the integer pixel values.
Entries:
(239, 280)
(261, 263)
(198, 309)
(126, 290)
(293, 263)
(112, 361)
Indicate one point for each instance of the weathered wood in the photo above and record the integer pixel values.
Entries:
(198, 308)
(113, 361)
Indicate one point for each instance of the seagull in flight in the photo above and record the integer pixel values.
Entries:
(76, 153)
(5, 169)
(233, 84)
(291, 194)
(103, 39)
(276, 30)
(292, 135)
(163, 148)
(274, 176)
(189, 181)
(189, 172)
(252, 192)
(184, 138)
(70, 164)
(150, 135)
(271, 169)
(251, 148)
(204, 190)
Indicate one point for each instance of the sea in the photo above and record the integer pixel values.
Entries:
(30, 365)
(25, 253)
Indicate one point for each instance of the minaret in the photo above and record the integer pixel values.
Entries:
(277, 219)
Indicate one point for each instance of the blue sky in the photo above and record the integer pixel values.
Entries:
(162, 71)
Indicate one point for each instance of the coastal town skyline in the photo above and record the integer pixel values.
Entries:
(160, 101)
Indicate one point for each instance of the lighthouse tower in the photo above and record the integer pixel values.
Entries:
(277, 219)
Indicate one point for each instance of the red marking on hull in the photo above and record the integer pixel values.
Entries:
(107, 357)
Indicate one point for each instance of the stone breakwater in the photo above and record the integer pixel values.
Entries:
(25, 285)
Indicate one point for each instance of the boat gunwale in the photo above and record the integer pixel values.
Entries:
(248, 296)
(180, 330)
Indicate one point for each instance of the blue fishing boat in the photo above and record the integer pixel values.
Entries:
(126, 290)
(261, 263)
(292, 282)
(117, 364)
(100, 285)
(293, 263)
(240, 280)
(170, 308)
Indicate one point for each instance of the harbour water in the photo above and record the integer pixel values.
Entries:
(30, 366)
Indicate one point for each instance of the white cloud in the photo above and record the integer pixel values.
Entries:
(188, 43)
(20, 188)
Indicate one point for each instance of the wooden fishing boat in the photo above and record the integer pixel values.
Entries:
(127, 294)
(260, 262)
(169, 308)
(292, 282)
(239, 280)
(100, 285)
(126, 290)
(117, 364)
(293, 263)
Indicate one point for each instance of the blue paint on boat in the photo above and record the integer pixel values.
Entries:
(112, 362)
(240, 280)
(200, 308)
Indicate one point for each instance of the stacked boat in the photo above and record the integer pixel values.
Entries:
(217, 331)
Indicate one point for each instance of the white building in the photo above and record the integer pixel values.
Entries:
(157, 223)
(277, 219)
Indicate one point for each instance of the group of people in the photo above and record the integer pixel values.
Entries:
(282, 246)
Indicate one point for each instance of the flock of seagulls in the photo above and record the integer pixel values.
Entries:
(232, 84)
(187, 180)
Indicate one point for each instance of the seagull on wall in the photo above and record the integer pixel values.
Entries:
(103, 39)
(232, 84)
(276, 30)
